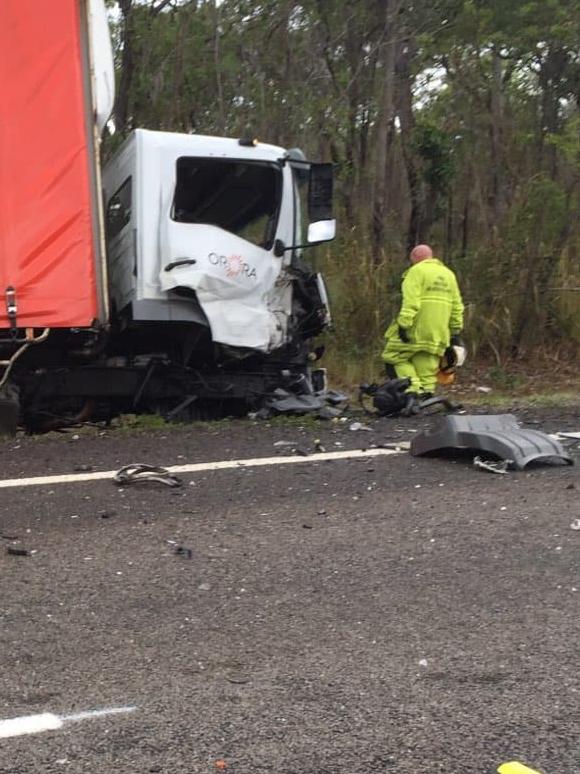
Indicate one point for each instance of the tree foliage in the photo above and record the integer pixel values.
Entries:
(451, 121)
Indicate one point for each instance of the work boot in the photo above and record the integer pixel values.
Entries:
(411, 406)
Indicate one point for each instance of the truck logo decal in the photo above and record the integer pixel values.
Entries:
(233, 265)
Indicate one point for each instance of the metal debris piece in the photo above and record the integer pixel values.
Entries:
(493, 466)
(183, 551)
(141, 473)
(575, 525)
(334, 397)
(294, 404)
(358, 426)
(238, 679)
(18, 551)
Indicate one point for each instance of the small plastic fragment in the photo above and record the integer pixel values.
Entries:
(183, 551)
(17, 551)
(138, 472)
(493, 466)
(358, 426)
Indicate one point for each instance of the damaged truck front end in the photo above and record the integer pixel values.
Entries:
(214, 306)
(206, 239)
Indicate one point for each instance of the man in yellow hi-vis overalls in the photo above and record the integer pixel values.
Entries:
(431, 317)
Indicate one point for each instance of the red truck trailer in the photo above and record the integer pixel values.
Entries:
(52, 262)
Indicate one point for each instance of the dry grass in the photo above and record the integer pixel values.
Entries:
(365, 295)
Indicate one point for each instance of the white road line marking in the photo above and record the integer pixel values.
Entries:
(200, 467)
(47, 721)
(29, 724)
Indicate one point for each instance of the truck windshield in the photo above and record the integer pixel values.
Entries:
(239, 196)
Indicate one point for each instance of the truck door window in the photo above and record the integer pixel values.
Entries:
(300, 173)
(119, 210)
(238, 196)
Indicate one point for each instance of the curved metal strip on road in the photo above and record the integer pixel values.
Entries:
(200, 467)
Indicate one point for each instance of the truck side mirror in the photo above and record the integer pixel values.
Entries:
(320, 192)
(279, 248)
(321, 231)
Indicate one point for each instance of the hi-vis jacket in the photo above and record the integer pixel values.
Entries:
(431, 308)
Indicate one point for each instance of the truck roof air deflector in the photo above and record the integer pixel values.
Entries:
(498, 435)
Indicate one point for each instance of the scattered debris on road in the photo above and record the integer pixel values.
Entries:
(492, 466)
(18, 551)
(498, 435)
(569, 436)
(140, 473)
(356, 427)
(183, 551)
(396, 445)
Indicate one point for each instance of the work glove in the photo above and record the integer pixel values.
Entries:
(457, 341)
(403, 335)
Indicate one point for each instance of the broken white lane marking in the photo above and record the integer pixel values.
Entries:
(47, 721)
(200, 467)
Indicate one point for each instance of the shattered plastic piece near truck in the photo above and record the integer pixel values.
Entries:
(498, 435)
(492, 466)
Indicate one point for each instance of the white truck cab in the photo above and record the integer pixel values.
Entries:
(209, 230)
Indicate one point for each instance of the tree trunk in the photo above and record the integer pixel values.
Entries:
(497, 190)
(127, 68)
(386, 63)
(415, 231)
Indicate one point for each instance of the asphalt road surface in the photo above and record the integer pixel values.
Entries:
(390, 614)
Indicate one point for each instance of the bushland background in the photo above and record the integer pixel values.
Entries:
(455, 122)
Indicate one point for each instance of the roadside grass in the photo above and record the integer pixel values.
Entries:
(546, 400)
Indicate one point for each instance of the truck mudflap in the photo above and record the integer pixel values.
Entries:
(498, 435)
(9, 410)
